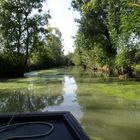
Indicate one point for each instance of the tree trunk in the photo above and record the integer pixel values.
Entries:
(27, 44)
(129, 72)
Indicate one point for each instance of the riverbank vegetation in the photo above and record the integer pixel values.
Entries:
(108, 38)
(27, 41)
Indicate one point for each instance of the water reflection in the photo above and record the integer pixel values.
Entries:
(104, 116)
(25, 101)
(30, 94)
(48, 93)
(70, 100)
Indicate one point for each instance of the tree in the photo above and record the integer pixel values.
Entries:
(55, 47)
(22, 25)
(108, 33)
(123, 23)
(51, 53)
(93, 33)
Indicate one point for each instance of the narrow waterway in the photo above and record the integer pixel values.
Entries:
(107, 108)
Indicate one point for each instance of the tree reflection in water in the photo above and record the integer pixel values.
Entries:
(24, 100)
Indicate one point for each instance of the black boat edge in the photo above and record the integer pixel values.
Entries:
(72, 124)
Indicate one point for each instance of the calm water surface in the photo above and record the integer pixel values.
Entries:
(69, 98)
(104, 116)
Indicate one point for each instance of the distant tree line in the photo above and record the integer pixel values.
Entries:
(50, 54)
(26, 40)
(108, 37)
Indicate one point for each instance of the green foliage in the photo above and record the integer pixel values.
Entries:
(92, 39)
(51, 53)
(108, 33)
(21, 30)
(137, 70)
(26, 42)
(76, 59)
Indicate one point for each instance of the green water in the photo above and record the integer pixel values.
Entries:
(107, 108)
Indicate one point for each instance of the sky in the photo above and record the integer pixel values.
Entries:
(63, 18)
